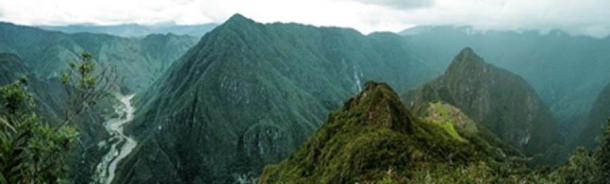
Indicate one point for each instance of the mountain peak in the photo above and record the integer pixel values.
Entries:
(466, 51)
(468, 55)
(380, 106)
(494, 97)
(374, 135)
(238, 19)
(467, 61)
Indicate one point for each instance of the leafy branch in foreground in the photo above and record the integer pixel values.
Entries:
(31, 151)
(35, 151)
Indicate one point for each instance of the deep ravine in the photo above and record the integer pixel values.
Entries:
(120, 144)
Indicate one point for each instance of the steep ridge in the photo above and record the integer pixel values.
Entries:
(137, 61)
(248, 94)
(374, 137)
(567, 71)
(497, 99)
(596, 121)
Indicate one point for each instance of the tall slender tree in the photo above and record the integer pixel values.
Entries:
(86, 83)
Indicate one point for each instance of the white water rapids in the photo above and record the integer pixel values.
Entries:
(120, 144)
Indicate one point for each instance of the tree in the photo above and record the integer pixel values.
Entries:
(582, 167)
(35, 151)
(31, 151)
(85, 84)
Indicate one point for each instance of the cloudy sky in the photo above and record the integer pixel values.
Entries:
(583, 17)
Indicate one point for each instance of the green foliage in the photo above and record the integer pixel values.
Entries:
(448, 117)
(448, 174)
(374, 133)
(30, 150)
(604, 155)
(388, 179)
(15, 98)
(85, 84)
(582, 168)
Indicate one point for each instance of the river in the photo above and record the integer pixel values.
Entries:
(120, 144)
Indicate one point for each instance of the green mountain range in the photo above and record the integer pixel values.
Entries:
(252, 102)
(497, 99)
(568, 72)
(248, 94)
(136, 30)
(137, 61)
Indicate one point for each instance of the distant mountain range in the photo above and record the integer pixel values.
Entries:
(568, 72)
(497, 99)
(138, 61)
(136, 30)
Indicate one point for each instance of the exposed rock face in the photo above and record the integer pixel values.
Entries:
(497, 99)
(373, 135)
(248, 94)
(597, 120)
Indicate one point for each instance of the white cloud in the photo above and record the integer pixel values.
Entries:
(399, 4)
(575, 16)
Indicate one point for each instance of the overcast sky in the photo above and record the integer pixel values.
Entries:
(586, 17)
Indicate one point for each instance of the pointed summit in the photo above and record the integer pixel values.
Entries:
(381, 107)
(465, 52)
(467, 60)
(237, 16)
(238, 19)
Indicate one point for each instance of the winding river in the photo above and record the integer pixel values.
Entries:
(120, 144)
